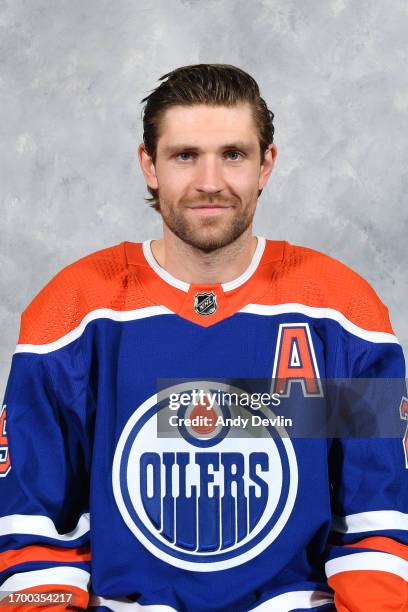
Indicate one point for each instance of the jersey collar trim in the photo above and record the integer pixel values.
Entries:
(166, 276)
(228, 286)
(205, 304)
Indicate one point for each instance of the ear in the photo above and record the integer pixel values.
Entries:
(147, 166)
(267, 165)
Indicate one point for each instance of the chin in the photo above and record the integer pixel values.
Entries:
(209, 241)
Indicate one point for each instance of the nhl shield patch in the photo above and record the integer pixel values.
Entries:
(205, 303)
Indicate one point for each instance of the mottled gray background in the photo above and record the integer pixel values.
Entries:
(73, 73)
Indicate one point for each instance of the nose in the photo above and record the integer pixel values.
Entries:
(209, 175)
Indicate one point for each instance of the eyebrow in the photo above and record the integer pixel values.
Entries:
(237, 145)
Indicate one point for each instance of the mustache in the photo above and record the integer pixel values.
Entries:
(214, 200)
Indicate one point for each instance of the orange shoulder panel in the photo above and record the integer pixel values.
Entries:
(99, 280)
(312, 278)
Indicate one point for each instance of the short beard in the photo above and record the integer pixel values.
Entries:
(197, 238)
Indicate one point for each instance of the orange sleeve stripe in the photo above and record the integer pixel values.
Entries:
(382, 544)
(362, 590)
(78, 601)
(43, 553)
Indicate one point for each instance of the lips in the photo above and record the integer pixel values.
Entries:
(210, 206)
(209, 210)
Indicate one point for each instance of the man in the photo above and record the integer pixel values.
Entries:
(96, 502)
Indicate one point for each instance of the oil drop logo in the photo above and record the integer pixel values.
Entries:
(204, 500)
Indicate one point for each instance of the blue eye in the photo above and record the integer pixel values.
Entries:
(184, 153)
(234, 153)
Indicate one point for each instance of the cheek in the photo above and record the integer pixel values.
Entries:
(244, 182)
(172, 183)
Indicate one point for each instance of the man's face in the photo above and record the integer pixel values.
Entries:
(208, 172)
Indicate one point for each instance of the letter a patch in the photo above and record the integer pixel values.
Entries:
(295, 361)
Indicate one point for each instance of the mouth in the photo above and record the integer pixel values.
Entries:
(208, 209)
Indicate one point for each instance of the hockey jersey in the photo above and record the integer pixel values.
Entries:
(97, 503)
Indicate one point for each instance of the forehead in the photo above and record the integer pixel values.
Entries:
(205, 121)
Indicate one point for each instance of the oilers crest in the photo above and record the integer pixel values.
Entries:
(202, 500)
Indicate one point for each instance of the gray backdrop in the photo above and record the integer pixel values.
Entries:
(73, 73)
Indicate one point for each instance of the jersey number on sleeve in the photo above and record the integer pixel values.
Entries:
(4, 450)
(404, 415)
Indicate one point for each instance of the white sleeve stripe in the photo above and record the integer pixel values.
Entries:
(382, 562)
(99, 313)
(378, 520)
(117, 605)
(325, 313)
(66, 576)
(259, 309)
(285, 602)
(31, 524)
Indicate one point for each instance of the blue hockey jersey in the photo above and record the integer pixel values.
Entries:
(96, 502)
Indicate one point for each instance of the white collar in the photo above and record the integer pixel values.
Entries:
(175, 282)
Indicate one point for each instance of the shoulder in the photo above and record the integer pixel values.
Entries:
(98, 280)
(316, 279)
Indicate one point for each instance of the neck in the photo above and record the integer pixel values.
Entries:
(192, 265)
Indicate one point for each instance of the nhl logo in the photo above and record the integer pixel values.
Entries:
(205, 303)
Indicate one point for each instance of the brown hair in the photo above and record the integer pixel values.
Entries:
(214, 84)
